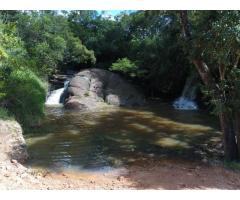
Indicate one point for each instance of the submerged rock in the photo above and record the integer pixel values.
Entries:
(93, 88)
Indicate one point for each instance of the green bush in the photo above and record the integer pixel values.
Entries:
(125, 66)
(25, 94)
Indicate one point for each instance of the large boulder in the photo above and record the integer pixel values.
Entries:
(12, 143)
(93, 88)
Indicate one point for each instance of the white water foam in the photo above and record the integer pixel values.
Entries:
(186, 100)
(55, 95)
(183, 103)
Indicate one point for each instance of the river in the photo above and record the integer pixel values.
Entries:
(117, 137)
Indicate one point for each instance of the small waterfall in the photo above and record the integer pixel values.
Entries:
(186, 100)
(55, 96)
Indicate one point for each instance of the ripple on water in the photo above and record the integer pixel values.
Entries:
(114, 138)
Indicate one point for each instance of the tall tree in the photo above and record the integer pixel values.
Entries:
(212, 43)
(50, 42)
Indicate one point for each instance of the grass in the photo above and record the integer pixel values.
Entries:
(232, 165)
(4, 114)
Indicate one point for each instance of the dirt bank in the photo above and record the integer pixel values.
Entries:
(163, 174)
(150, 174)
(13, 174)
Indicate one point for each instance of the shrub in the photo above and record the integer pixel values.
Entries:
(25, 94)
(125, 66)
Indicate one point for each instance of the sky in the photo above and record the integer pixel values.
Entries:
(112, 13)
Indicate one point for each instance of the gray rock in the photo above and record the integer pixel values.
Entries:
(89, 88)
(80, 82)
(113, 99)
(13, 146)
(75, 91)
(74, 103)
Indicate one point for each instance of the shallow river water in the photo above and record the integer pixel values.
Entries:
(116, 137)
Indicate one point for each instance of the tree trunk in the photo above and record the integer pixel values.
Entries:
(204, 73)
(229, 129)
(237, 130)
(185, 24)
(229, 137)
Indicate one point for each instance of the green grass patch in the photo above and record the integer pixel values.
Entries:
(232, 165)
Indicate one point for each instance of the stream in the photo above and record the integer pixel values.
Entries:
(118, 137)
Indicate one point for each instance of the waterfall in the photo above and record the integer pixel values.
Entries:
(186, 100)
(55, 96)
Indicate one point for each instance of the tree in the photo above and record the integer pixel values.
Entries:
(212, 42)
(104, 36)
(49, 42)
(22, 93)
(33, 45)
(153, 45)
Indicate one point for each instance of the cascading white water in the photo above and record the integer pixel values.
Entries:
(55, 95)
(186, 100)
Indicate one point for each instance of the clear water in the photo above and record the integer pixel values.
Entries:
(117, 137)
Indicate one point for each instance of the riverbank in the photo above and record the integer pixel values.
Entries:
(13, 174)
(146, 174)
(156, 175)
(152, 175)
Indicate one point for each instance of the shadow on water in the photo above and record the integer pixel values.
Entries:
(120, 137)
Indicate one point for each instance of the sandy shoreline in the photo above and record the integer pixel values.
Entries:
(153, 175)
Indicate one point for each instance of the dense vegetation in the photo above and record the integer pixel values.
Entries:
(33, 45)
(155, 49)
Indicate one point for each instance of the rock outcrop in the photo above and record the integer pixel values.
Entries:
(93, 88)
(12, 143)
(13, 152)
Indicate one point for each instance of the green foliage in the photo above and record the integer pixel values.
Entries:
(149, 44)
(125, 66)
(232, 165)
(11, 55)
(50, 43)
(217, 43)
(21, 92)
(4, 114)
(147, 39)
(25, 93)
(106, 37)
(154, 41)
(33, 45)
(3, 54)
(228, 100)
(77, 53)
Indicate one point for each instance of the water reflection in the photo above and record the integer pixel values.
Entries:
(118, 136)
